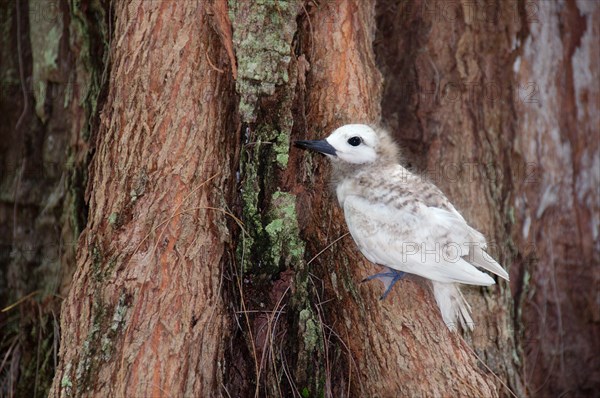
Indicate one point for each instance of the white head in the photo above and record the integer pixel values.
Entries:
(355, 144)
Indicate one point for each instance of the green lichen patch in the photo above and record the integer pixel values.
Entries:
(310, 369)
(263, 35)
(88, 358)
(251, 215)
(66, 383)
(277, 244)
(107, 321)
(282, 148)
(286, 247)
(263, 31)
(260, 161)
(116, 323)
(309, 329)
(113, 219)
(98, 345)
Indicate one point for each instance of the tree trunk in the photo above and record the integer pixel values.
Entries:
(45, 99)
(352, 336)
(501, 99)
(557, 201)
(387, 340)
(145, 315)
(214, 258)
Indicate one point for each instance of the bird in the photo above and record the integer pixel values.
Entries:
(403, 222)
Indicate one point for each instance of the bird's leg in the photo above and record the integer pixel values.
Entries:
(389, 279)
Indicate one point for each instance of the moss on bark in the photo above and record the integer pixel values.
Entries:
(263, 34)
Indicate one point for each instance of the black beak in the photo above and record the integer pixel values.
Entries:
(318, 145)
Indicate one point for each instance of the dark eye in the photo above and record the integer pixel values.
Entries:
(354, 141)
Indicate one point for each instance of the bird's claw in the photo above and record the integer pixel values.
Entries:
(389, 279)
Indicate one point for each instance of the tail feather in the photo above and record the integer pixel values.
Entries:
(480, 258)
(453, 306)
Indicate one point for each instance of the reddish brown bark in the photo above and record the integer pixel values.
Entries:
(448, 98)
(557, 204)
(496, 103)
(145, 315)
(395, 343)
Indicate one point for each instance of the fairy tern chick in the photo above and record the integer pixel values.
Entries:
(404, 222)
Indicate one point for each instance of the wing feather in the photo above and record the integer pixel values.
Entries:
(416, 238)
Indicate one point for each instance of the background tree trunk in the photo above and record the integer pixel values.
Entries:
(50, 82)
(215, 260)
(557, 202)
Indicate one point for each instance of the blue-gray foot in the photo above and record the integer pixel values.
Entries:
(388, 278)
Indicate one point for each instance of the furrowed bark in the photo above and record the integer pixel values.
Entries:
(145, 315)
(498, 97)
(394, 343)
(449, 100)
(557, 202)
